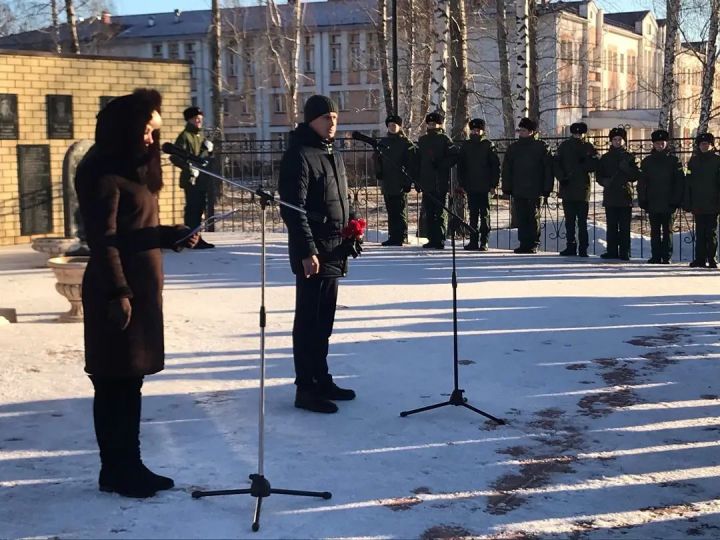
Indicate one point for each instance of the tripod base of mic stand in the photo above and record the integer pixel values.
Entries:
(457, 399)
(260, 488)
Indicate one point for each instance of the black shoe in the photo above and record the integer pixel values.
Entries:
(128, 481)
(664, 261)
(697, 264)
(311, 401)
(608, 255)
(570, 251)
(471, 247)
(334, 393)
(523, 249)
(483, 246)
(157, 481)
(654, 260)
(434, 245)
(712, 263)
(390, 242)
(582, 252)
(624, 257)
(202, 244)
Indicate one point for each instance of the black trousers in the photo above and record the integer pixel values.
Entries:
(196, 200)
(618, 230)
(435, 216)
(397, 217)
(527, 216)
(706, 239)
(479, 206)
(315, 304)
(661, 240)
(576, 213)
(116, 415)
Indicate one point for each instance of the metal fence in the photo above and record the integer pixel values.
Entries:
(256, 163)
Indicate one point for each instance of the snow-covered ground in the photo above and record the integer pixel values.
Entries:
(607, 374)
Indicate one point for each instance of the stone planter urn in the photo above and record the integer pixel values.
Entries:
(53, 246)
(69, 273)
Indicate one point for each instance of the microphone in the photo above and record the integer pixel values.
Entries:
(174, 150)
(364, 138)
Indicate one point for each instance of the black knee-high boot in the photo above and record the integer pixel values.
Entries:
(116, 417)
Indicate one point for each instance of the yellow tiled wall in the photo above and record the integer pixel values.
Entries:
(32, 76)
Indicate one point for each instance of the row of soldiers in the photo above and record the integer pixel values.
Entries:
(528, 173)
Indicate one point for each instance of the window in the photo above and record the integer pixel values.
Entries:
(247, 104)
(340, 98)
(622, 63)
(595, 97)
(632, 65)
(372, 99)
(230, 63)
(157, 50)
(248, 62)
(372, 52)
(279, 104)
(566, 93)
(309, 54)
(173, 50)
(190, 55)
(335, 52)
(356, 61)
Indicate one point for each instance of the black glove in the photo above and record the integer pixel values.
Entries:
(546, 194)
(418, 188)
(353, 247)
(407, 188)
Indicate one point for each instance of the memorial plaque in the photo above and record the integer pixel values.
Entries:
(9, 116)
(34, 186)
(59, 117)
(104, 100)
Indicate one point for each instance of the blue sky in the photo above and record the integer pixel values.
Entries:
(125, 7)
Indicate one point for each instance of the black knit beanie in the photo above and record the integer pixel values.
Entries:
(317, 106)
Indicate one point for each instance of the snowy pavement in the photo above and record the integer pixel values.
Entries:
(606, 373)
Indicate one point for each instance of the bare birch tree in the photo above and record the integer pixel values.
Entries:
(72, 27)
(505, 89)
(458, 68)
(284, 45)
(218, 108)
(668, 80)
(382, 35)
(439, 58)
(708, 79)
(55, 26)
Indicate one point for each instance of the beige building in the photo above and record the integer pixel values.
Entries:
(36, 132)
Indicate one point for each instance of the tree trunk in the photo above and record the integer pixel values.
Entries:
(505, 89)
(668, 80)
(293, 75)
(72, 27)
(57, 47)
(706, 98)
(458, 68)
(216, 73)
(439, 59)
(384, 64)
(534, 86)
(411, 35)
(522, 60)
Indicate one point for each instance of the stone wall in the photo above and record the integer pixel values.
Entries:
(33, 76)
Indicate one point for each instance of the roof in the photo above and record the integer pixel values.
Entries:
(327, 14)
(626, 19)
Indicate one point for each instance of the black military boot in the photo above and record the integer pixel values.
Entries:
(608, 255)
(697, 263)
(570, 250)
(330, 390)
(712, 263)
(308, 399)
(484, 244)
(582, 252)
(471, 246)
(654, 260)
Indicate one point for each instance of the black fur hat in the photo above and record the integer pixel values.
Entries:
(435, 117)
(528, 124)
(191, 112)
(705, 137)
(618, 132)
(578, 128)
(394, 119)
(477, 123)
(659, 135)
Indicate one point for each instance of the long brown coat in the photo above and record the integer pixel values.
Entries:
(121, 219)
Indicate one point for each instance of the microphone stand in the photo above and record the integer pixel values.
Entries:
(259, 485)
(456, 397)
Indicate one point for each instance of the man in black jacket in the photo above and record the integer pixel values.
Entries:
(312, 176)
(392, 160)
(478, 174)
(576, 158)
(527, 175)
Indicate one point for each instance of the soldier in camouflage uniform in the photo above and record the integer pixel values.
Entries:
(527, 175)
(702, 198)
(478, 174)
(660, 192)
(575, 159)
(436, 155)
(392, 160)
(616, 173)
